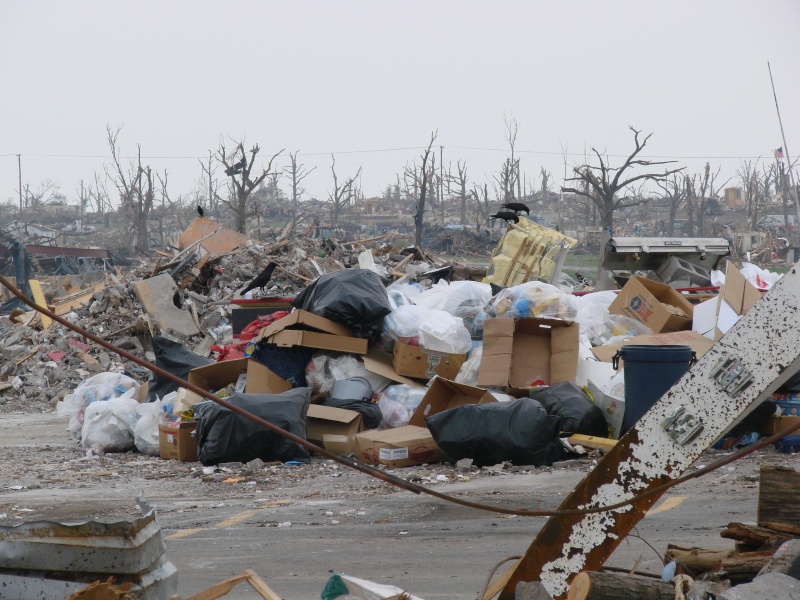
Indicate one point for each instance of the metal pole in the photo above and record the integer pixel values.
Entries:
(19, 171)
(785, 145)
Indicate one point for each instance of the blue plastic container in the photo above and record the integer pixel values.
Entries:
(649, 372)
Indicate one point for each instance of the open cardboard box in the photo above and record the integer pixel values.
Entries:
(324, 421)
(517, 352)
(444, 395)
(414, 361)
(259, 379)
(713, 318)
(303, 328)
(657, 305)
(399, 447)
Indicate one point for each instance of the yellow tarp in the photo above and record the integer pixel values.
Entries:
(527, 251)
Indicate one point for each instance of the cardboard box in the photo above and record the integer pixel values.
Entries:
(657, 305)
(444, 395)
(694, 340)
(381, 371)
(414, 361)
(329, 420)
(184, 400)
(400, 447)
(177, 442)
(613, 409)
(322, 341)
(259, 379)
(301, 319)
(517, 352)
(778, 423)
(713, 318)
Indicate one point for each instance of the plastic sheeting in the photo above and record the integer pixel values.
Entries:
(527, 251)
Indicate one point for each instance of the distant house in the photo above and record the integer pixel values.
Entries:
(30, 233)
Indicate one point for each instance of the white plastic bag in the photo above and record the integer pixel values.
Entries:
(442, 332)
(761, 278)
(435, 297)
(402, 325)
(468, 374)
(145, 431)
(98, 387)
(109, 424)
(535, 299)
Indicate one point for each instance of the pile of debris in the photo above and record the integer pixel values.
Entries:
(367, 349)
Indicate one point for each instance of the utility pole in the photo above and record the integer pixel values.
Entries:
(785, 146)
(441, 184)
(19, 172)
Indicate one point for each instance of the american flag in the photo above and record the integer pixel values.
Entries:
(779, 153)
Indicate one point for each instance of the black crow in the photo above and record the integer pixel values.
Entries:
(517, 207)
(262, 279)
(200, 211)
(506, 216)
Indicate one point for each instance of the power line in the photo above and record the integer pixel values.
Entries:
(400, 149)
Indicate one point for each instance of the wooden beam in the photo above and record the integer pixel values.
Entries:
(38, 296)
(779, 488)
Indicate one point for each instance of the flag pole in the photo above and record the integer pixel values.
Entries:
(793, 190)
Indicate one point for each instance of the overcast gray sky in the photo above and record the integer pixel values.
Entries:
(368, 81)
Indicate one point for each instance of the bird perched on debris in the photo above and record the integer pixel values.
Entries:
(236, 167)
(506, 216)
(262, 279)
(517, 207)
(200, 211)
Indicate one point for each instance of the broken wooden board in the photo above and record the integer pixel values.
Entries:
(218, 239)
(38, 296)
(777, 499)
(674, 433)
(156, 295)
(224, 587)
(591, 441)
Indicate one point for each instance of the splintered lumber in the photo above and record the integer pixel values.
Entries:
(222, 588)
(590, 441)
(597, 585)
(696, 560)
(754, 535)
(777, 507)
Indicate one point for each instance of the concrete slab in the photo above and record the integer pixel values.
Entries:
(156, 295)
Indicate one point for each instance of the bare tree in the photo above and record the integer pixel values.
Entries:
(212, 185)
(481, 195)
(135, 187)
(343, 194)
(239, 171)
(417, 181)
(675, 193)
(508, 179)
(749, 177)
(700, 189)
(604, 183)
(296, 173)
(460, 183)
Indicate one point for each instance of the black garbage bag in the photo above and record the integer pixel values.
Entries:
(520, 431)
(354, 297)
(176, 359)
(578, 413)
(370, 412)
(225, 436)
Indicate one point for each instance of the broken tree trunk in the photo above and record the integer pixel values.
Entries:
(745, 566)
(754, 536)
(777, 509)
(597, 585)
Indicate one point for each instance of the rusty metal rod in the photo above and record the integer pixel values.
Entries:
(377, 473)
